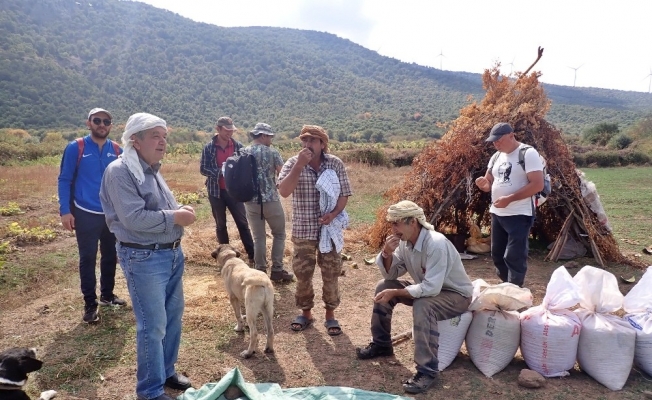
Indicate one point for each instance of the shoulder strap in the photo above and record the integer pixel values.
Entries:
(493, 160)
(80, 150)
(521, 155)
(116, 148)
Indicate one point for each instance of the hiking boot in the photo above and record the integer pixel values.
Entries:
(281, 276)
(373, 350)
(90, 314)
(419, 383)
(112, 301)
(178, 382)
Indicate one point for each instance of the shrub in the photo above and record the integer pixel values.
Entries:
(371, 156)
(579, 159)
(620, 141)
(11, 209)
(634, 158)
(602, 158)
(600, 134)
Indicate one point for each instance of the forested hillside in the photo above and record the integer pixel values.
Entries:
(59, 58)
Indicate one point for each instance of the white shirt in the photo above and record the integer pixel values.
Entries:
(509, 177)
(433, 263)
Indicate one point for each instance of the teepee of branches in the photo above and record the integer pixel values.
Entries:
(442, 179)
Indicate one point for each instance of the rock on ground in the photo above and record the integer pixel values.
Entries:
(531, 379)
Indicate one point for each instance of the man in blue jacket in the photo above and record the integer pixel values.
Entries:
(82, 166)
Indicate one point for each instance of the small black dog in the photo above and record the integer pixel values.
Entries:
(15, 364)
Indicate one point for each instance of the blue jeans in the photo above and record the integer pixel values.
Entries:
(90, 229)
(509, 246)
(156, 291)
(218, 208)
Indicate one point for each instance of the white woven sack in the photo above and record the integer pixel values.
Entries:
(494, 334)
(606, 347)
(550, 332)
(492, 340)
(638, 305)
(451, 336)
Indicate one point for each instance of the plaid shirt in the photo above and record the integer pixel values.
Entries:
(305, 198)
(209, 167)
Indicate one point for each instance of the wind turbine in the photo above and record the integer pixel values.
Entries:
(649, 86)
(575, 77)
(441, 55)
(511, 66)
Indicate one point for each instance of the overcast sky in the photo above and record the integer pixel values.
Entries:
(588, 43)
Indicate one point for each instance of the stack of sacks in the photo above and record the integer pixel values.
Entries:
(550, 332)
(638, 305)
(494, 334)
(607, 342)
(451, 336)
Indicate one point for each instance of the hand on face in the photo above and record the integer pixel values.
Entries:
(391, 243)
(305, 156)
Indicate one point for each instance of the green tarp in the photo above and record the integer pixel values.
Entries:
(269, 391)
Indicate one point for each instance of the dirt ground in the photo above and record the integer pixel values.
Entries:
(98, 361)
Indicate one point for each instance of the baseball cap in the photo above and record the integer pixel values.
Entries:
(98, 110)
(262, 128)
(498, 131)
(226, 122)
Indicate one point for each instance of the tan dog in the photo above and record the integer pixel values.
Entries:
(251, 287)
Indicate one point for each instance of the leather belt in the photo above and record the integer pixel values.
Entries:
(155, 246)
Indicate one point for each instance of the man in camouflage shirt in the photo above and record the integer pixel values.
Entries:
(268, 208)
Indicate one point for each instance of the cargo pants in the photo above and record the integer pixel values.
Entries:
(305, 256)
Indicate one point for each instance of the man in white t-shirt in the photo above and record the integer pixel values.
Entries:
(512, 210)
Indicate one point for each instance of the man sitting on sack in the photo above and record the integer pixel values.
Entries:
(442, 290)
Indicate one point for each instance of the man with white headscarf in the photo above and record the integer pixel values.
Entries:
(441, 290)
(148, 224)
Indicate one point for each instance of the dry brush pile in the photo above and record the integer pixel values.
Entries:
(443, 174)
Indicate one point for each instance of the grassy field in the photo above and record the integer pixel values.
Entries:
(40, 302)
(626, 194)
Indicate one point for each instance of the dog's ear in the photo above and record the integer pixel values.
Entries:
(30, 364)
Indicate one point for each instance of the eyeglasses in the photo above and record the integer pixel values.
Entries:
(98, 121)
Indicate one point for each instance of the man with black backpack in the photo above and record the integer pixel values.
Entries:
(82, 166)
(512, 187)
(214, 155)
(266, 206)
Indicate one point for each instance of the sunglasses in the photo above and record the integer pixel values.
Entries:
(98, 121)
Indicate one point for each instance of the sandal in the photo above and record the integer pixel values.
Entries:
(333, 327)
(300, 323)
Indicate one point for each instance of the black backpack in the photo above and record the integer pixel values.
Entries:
(241, 178)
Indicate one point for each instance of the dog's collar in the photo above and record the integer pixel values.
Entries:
(9, 382)
(4, 386)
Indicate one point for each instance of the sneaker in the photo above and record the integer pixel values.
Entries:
(281, 276)
(419, 383)
(373, 350)
(113, 301)
(90, 314)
